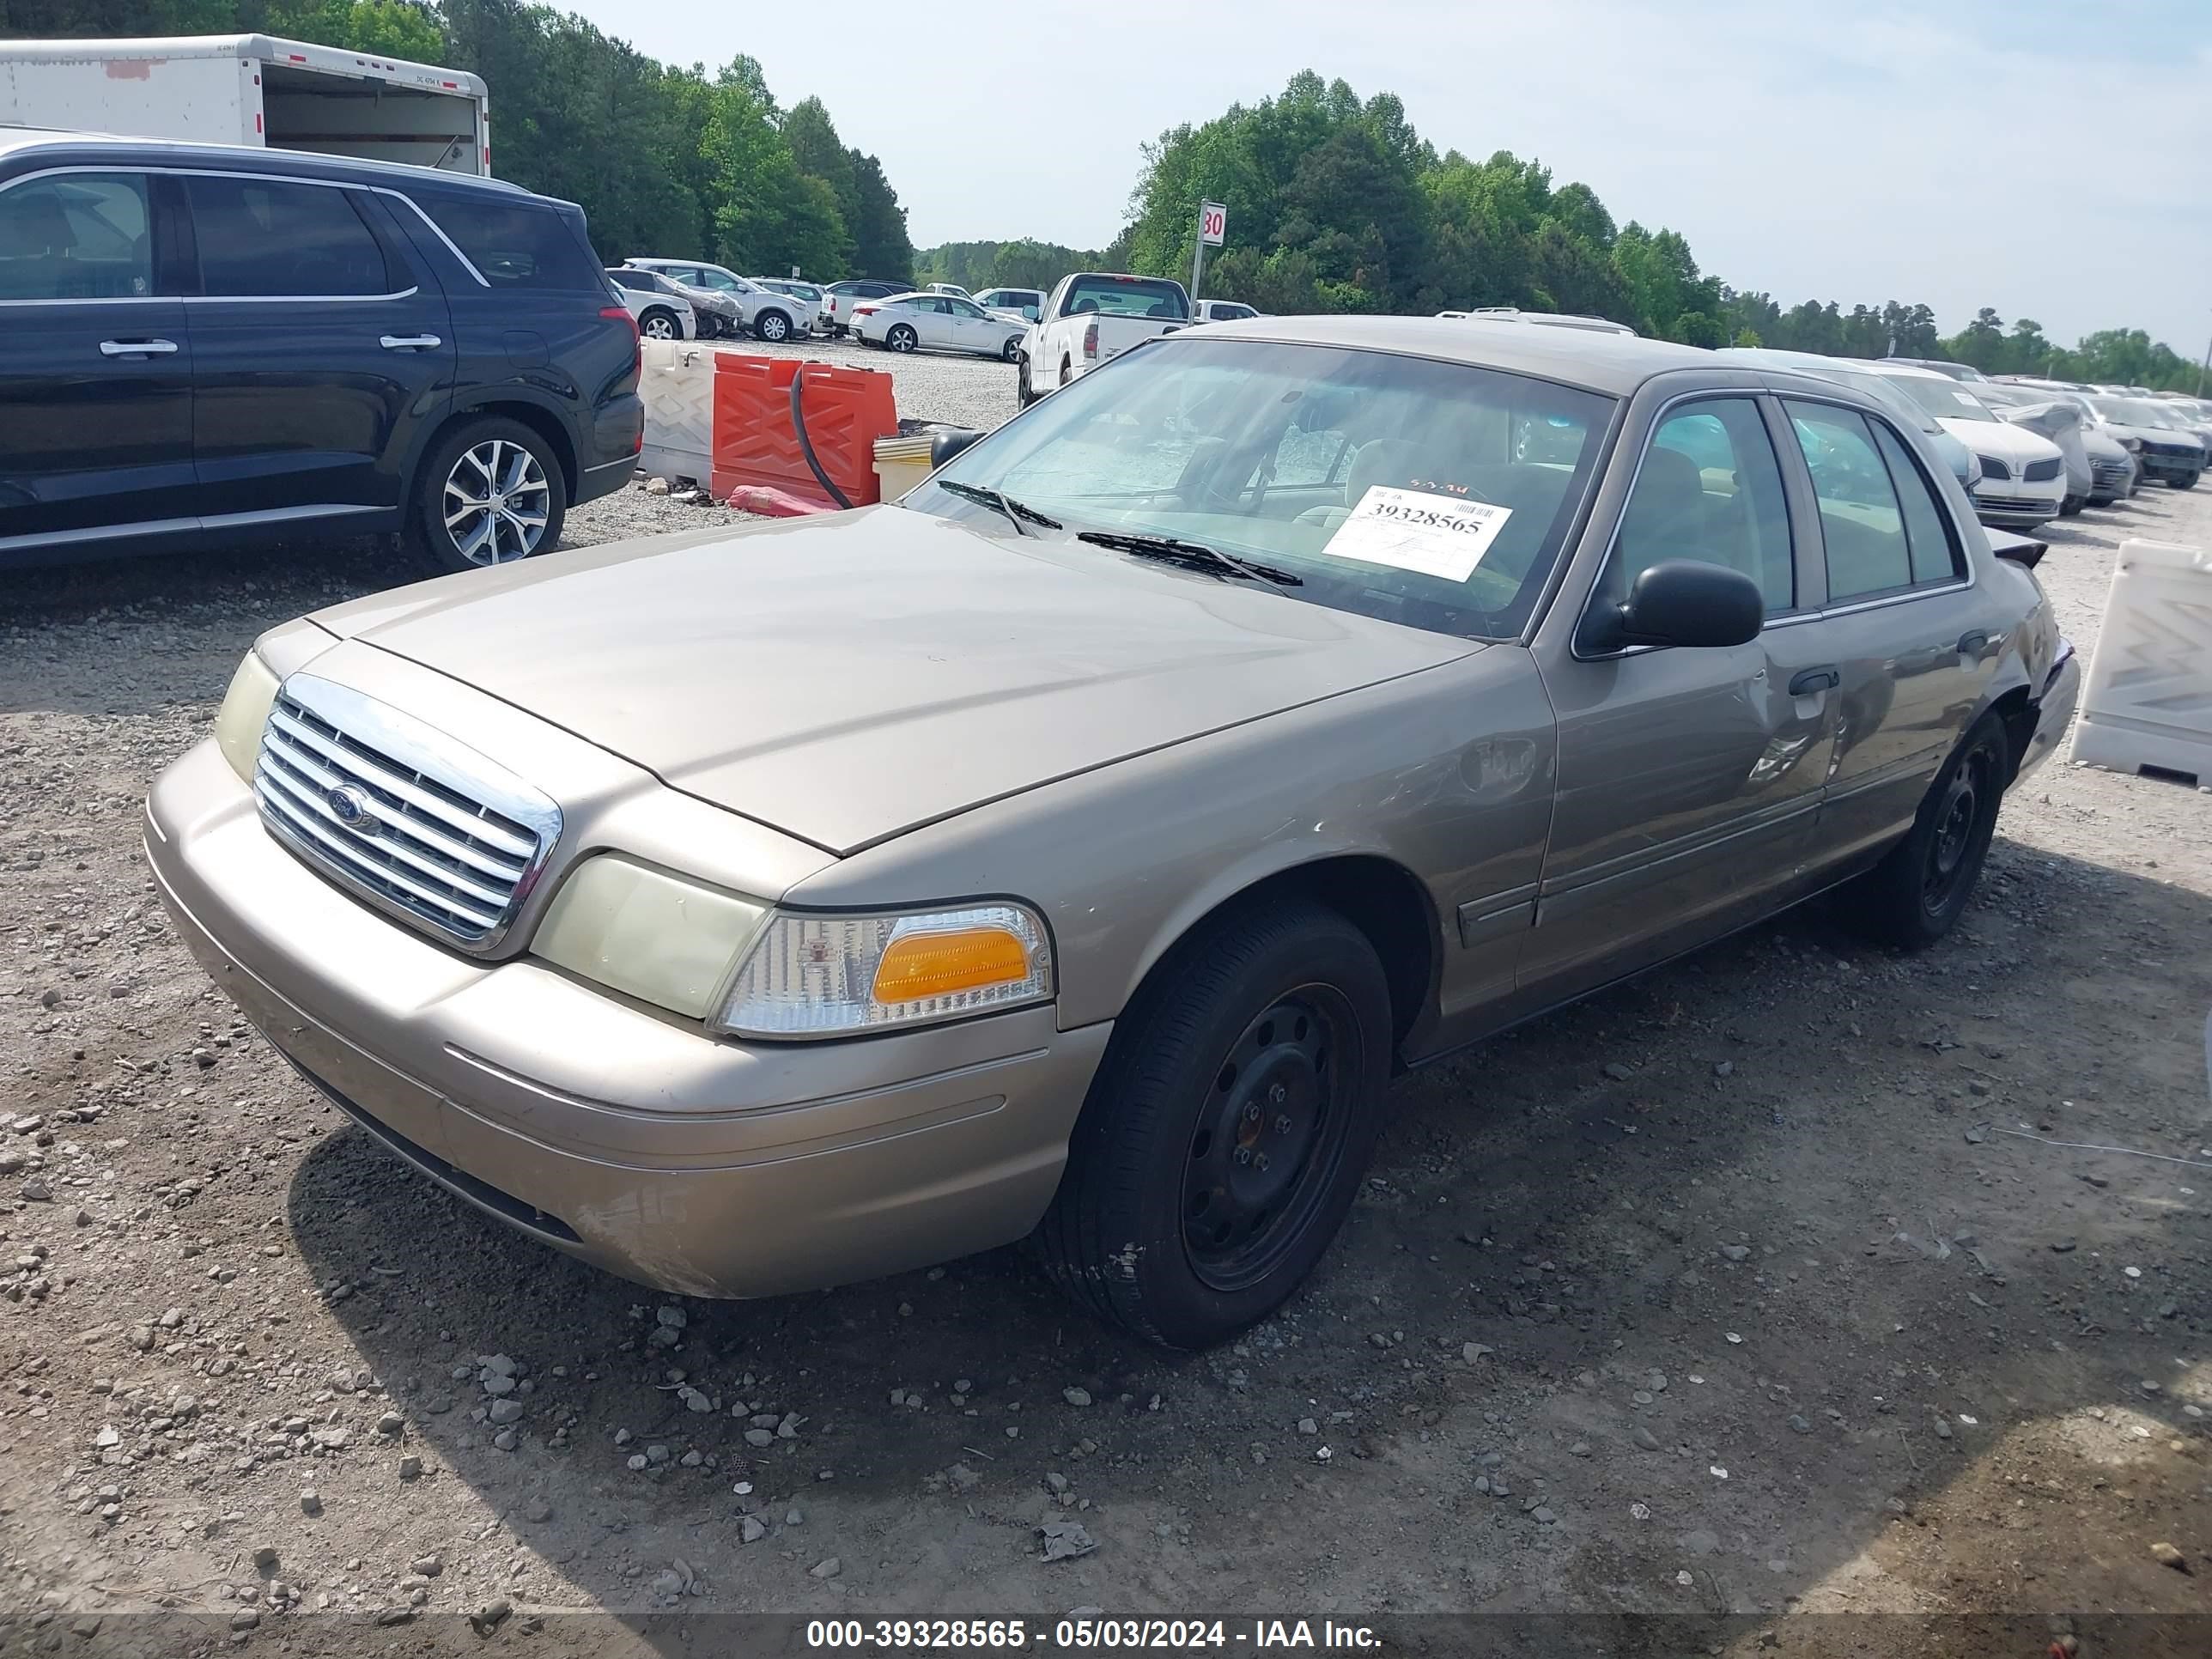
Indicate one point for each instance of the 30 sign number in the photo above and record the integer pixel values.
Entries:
(1213, 223)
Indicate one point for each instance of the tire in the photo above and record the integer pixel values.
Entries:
(1025, 395)
(446, 537)
(772, 326)
(1011, 351)
(1267, 1033)
(2182, 480)
(660, 323)
(1067, 372)
(2071, 505)
(902, 337)
(1919, 890)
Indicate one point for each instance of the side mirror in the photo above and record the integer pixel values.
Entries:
(945, 445)
(1686, 602)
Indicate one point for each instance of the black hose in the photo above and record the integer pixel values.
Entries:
(806, 446)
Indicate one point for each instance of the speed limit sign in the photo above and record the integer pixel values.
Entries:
(1212, 222)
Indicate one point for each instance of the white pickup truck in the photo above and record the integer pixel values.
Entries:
(1092, 317)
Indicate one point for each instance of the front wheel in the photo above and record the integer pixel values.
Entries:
(1916, 894)
(772, 326)
(1225, 1136)
(490, 493)
(901, 338)
(2184, 481)
(1024, 396)
(1011, 351)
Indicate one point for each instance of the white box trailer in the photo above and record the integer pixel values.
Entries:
(250, 89)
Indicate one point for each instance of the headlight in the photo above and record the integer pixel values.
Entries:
(831, 976)
(650, 935)
(244, 711)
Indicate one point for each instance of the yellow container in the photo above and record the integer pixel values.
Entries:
(900, 464)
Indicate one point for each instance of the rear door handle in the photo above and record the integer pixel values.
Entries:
(409, 342)
(1970, 645)
(136, 348)
(1807, 681)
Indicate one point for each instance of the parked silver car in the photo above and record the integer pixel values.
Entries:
(1077, 847)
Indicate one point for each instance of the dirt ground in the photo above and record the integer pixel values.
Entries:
(1758, 1288)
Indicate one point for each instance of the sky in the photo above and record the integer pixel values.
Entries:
(2047, 159)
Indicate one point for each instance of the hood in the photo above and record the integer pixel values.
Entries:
(846, 676)
(2001, 439)
(2153, 434)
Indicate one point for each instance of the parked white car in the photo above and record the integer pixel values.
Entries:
(2023, 474)
(907, 322)
(1220, 311)
(1026, 303)
(953, 289)
(769, 316)
(662, 314)
(806, 299)
(1093, 317)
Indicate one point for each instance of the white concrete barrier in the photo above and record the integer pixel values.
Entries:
(676, 380)
(2148, 699)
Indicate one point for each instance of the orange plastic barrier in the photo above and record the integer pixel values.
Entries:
(847, 409)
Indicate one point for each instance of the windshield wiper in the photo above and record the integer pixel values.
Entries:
(1194, 555)
(1015, 511)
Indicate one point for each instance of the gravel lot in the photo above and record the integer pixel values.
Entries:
(1728, 1292)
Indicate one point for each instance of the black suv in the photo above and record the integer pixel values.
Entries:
(202, 345)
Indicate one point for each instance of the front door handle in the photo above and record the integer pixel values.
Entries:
(409, 342)
(136, 348)
(1807, 681)
(1970, 645)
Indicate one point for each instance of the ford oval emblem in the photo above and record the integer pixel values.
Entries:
(350, 806)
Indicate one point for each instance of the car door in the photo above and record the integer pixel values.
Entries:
(1914, 650)
(934, 321)
(96, 365)
(320, 351)
(970, 330)
(1689, 779)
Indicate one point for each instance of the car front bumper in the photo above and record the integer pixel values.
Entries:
(2014, 502)
(629, 1138)
(2169, 466)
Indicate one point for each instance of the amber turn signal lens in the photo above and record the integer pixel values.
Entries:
(931, 964)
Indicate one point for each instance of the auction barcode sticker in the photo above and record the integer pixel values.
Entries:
(1413, 530)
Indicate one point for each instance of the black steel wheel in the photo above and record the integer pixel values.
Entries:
(1919, 890)
(1223, 1137)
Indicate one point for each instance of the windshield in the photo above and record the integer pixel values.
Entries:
(2130, 411)
(1945, 399)
(1433, 493)
(1126, 296)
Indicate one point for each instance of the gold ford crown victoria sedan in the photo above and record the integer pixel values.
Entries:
(1076, 849)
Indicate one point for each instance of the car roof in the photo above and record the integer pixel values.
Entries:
(108, 148)
(1615, 363)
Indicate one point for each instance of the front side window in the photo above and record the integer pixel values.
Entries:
(267, 238)
(515, 244)
(76, 236)
(1861, 523)
(1709, 489)
(1388, 485)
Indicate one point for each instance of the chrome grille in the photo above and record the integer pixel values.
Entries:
(422, 827)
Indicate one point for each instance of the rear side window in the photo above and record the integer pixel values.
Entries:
(517, 244)
(75, 236)
(270, 238)
(1927, 528)
(1128, 296)
(1861, 520)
